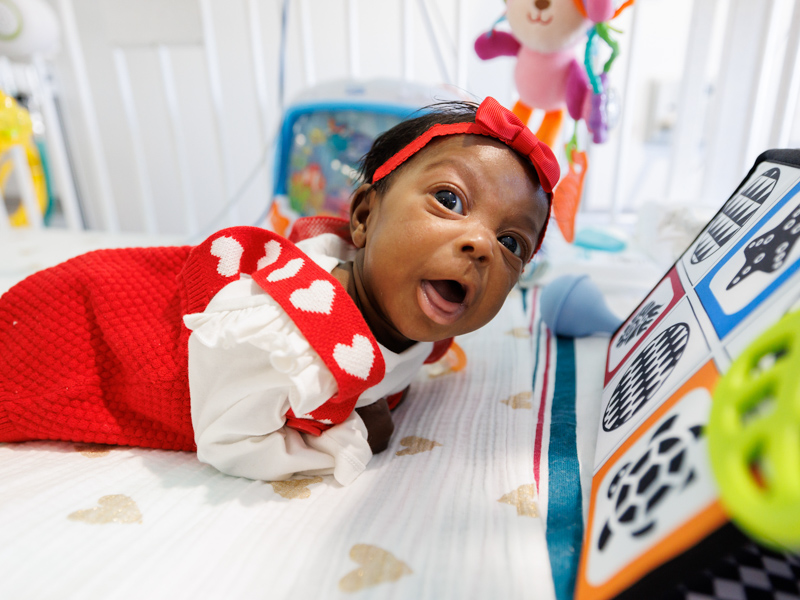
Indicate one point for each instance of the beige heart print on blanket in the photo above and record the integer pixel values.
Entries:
(377, 566)
(110, 509)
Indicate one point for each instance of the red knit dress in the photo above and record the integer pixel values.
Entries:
(95, 350)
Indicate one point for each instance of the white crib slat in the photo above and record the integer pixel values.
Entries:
(178, 140)
(626, 119)
(353, 32)
(788, 95)
(7, 82)
(283, 43)
(762, 101)
(307, 40)
(135, 131)
(436, 42)
(218, 105)
(408, 41)
(464, 42)
(5, 224)
(56, 146)
(734, 98)
(259, 67)
(96, 152)
(22, 170)
(688, 130)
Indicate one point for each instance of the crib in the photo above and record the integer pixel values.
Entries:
(164, 121)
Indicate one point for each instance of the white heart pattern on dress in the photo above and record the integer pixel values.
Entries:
(272, 250)
(357, 358)
(229, 252)
(317, 298)
(313, 418)
(290, 269)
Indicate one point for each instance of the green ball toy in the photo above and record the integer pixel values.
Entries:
(754, 437)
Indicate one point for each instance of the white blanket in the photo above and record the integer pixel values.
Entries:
(450, 510)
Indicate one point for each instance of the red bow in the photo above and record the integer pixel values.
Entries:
(499, 122)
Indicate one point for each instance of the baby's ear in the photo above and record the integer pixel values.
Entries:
(360, 205)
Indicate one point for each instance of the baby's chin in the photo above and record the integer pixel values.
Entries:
(440, 336)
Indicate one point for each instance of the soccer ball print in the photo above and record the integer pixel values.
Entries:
(645, 318)
(652, 487)
(663, 361)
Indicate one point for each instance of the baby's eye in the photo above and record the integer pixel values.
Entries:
(512, 244)
(450, 201)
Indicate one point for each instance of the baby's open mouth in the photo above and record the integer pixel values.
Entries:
(450, 290)
(442, 300)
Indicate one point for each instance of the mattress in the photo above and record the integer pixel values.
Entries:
(481, 494)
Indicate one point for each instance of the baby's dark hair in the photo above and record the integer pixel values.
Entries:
(398, 137)
(390, 142)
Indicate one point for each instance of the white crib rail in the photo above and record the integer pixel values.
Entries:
(737, 95)
(185, 119)
(42, 88)
(270, 95)
(786, 98)
(97, 155)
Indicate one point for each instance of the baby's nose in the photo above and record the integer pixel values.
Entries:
(477, 243)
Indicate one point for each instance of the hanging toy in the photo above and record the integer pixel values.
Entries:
(543, 38)
(599, 118)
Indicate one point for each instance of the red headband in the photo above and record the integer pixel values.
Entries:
(492, 120)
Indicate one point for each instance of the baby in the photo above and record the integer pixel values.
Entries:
(268, 356)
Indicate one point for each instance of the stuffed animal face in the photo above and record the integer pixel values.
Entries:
(546, 25)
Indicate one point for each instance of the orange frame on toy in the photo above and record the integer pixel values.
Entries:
(687, 535)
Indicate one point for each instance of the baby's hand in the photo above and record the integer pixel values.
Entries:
(378, 421)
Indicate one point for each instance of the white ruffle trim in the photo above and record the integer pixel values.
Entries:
(267, 328)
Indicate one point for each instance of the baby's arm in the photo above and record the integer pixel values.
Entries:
(250, 440)
(248, 365)
(378, 421)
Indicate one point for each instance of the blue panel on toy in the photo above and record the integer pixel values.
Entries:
(320, 148)
(763, 260)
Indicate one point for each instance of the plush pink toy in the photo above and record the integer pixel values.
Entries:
(543, 37)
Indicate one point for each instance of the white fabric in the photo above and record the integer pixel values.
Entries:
(444, 500)
(249, 364)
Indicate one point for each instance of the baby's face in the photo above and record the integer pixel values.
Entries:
(446, 243)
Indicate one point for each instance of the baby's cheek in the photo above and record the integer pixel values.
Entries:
(511, 280)
(503, 289)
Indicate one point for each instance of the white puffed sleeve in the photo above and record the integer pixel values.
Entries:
(248, 365)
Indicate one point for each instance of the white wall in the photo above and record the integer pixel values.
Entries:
(222, 154)
(698, 81)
